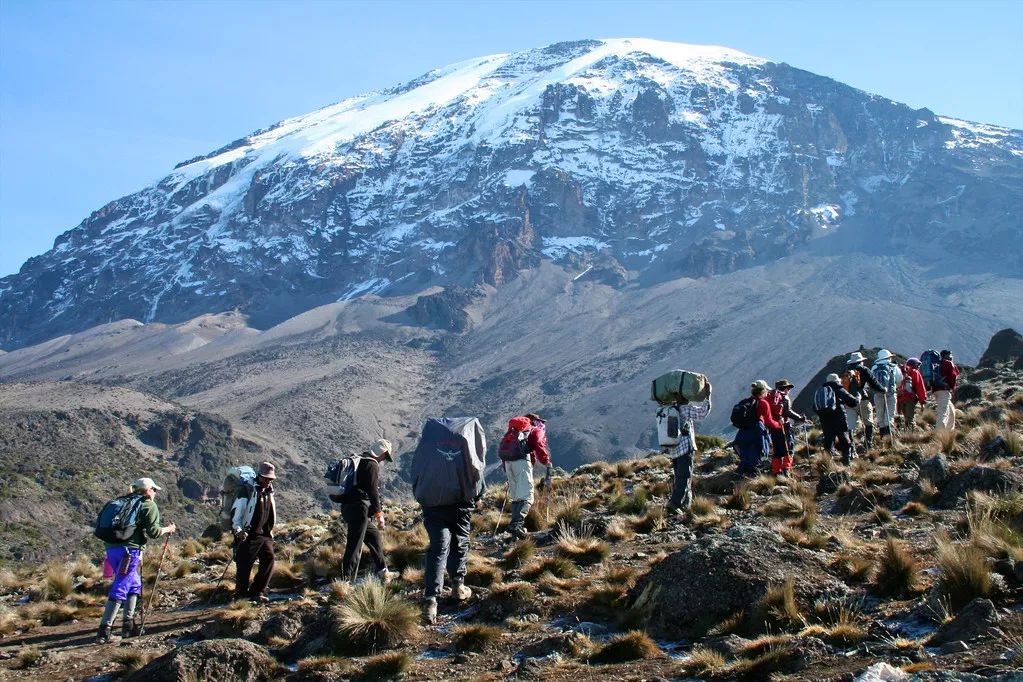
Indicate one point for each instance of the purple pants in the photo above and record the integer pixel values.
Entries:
(131, 583)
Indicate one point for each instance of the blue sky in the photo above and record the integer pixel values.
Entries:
(99, 99)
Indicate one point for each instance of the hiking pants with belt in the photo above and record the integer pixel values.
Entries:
(885, 407)
(520, 489)
(361, 529)
(255, 548)
(945, 412)
(682, 494)
(448, 528)
(129, 580)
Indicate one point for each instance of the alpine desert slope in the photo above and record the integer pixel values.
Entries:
(644, 159)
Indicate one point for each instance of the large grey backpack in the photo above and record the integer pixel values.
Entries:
(447, 467)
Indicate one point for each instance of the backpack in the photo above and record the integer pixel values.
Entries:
(448, 464)
(744, 413)
(906, 386)
(825, 400)
(930, 368)
(513, 446)
(669, 426)
(117, 520)
(884, 374)
(237, 480)
(852, 381)
(341, 478)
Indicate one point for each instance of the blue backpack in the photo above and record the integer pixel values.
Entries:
(118, 518)
(340, 477)
(884, 374)
(824, 400)
(930, 368)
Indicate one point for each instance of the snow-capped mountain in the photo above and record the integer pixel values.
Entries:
(625, 159)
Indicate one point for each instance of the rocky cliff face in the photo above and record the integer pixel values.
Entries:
(643, 159)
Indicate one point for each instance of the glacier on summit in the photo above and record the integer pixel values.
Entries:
(667, 159)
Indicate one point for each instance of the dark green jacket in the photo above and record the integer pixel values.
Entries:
(147, 527)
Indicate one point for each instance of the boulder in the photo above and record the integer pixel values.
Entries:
(969, 392)
(684, 598)
(995, 449)
(978, 619)
(1004, 346)
(934, 469)
(980, 478)
(192, 489)
(281, 627)
(224, 660)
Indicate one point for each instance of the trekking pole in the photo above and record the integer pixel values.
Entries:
(156, 583)
(234, 556)
(501, 516)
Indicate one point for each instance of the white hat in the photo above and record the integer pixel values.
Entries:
(831, 379)
(381, 446)
(855, 358)
(145, 484)
(883, 354)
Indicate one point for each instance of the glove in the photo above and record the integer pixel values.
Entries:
(240, 537)
(547, 477)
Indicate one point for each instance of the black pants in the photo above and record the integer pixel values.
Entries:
(842, 439)
(360, 530)
(448, 528)
(682, 494)
(255, 548)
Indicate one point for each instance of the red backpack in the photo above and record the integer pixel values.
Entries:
(513, 446)
(776, 400)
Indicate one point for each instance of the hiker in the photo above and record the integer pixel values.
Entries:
(253, 517)
(448, 483)
(912, 393)
(783, 439)
(857, 379)
(682, 458)
(888, 375)
(752, 416)
(945, 385)
(828, 402)
(126, 560)
(524, 444)
(361, 511)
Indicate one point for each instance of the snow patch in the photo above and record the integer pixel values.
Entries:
(517, 178)
(559, 247)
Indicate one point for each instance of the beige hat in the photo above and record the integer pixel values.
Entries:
(267, 470)
(831, 379)
(145, 484)
(760, 385)
(381, 446)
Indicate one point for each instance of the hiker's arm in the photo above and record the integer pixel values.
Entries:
(846, 397)
(149, 520)
(789, 413)
(866, 374)
(764, 412)
(238, 514)
(371, 473)
(697, 411)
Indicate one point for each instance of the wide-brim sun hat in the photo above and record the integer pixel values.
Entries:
(783, 383)
(883, 354)
(381, 446)
(855, 358)
(267, 471)
(831, 378)
(913, 362)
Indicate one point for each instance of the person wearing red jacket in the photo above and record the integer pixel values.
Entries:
(944, 392)
(912, 392)
(782, 439)
(753, 442)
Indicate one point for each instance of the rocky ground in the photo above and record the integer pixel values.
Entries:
(907, 563)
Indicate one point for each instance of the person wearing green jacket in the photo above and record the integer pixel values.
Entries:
(126, 560)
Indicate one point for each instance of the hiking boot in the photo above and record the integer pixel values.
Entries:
(460, 591)
(103, 636)
(386, 576)
(430, 610)
(129, 629)
(260, 599)
(519, 533)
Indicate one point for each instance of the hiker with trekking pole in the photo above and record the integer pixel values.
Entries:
(783, 440)
(126, 524)
(888, 375)
(253, 518)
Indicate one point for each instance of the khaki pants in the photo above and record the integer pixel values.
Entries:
(884, 405)
(864, 411)
(907, 408)
(945, 412)
(520, 489)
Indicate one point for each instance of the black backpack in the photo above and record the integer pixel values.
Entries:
(117, 520)
(340, 477)
(744, 414)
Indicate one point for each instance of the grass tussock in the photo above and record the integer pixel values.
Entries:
(239, 612)
(387, 666)
(336, 665)
(786, 505)
(475, 638)
(482, 573)
(882, 515)
(518, 554)
(635, 645)
(49, 613)
(28, 657)
(372, 618)
(653, 520)
(287, 574)
(581, 548)
(897, 573)
(324, 562)
(406, 549)
(567, 511)
(636, 503)
(702, 661)
(741, 497)
(778, 609)
(185, 568)
(57, 583)
(964, 574)
(557, 566)
(619, 530)
(914, 509)
(131, 660)
(638, 613)
(703, 506)
(510, 598)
